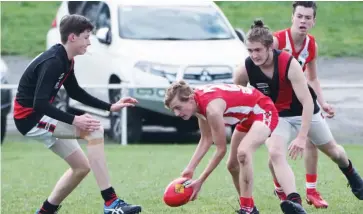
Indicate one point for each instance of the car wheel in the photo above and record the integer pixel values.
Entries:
(3, 127)
(134, 121)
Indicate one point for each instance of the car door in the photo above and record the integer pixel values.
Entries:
(100, 52)
(85, 67)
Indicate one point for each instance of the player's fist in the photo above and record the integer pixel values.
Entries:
(86, 123)
(188, 173)
(328, 109)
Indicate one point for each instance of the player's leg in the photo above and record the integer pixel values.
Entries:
(232, 163)
(322, 137)
(79, 168)
(97, 162)
(313, 196)
(254, 138)
(283, 174)
(70, 151)
(283, 133)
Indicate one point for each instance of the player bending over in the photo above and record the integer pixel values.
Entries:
(35, 117)
(228, 104)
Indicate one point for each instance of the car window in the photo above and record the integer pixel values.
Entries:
(104, 18)
(173, 23)
(90, 11)
(74, 7)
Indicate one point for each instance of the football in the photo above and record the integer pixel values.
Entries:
(176, 194)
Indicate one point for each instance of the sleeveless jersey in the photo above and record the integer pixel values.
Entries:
(279, 88)
(305, 54)
(241, 101)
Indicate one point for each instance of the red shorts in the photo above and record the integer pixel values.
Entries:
(270, 116)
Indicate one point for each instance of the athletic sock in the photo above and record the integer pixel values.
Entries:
(247, 204)
(311, 183)
(48, 207)
(109, 195)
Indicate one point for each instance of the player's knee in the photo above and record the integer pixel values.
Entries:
(233, 166)
(95, 135)
(336, 153)
(81, 172)
(243, 156)
(275, 155)
(82, 169)
(332, 150)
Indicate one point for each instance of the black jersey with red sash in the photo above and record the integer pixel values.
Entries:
(39, 85)
(279, 88)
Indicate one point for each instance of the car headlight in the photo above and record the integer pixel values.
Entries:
(167, 71)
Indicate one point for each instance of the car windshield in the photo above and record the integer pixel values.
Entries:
(172, 23)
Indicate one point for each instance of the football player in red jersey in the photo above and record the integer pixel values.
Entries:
(278, 75)
(229, 104)
(298, 42)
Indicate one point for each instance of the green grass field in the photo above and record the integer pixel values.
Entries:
(141, 172)
(24, 25)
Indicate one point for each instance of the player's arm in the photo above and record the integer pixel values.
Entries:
(203, 146)
(312, 77)
(240, 76)
(75, 92)
(49, 72)
(300, 86)
(215, 119)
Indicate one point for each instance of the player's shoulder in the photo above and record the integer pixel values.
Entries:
(280, 32)
(311, 36)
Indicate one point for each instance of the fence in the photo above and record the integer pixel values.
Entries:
(125, 86)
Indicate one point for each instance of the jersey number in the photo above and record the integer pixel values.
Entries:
(210, 88)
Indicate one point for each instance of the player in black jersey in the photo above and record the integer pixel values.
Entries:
(279, 75)
(37, 118)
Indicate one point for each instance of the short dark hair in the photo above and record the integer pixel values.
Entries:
(308, 4)
(260, 33)
(74, 23)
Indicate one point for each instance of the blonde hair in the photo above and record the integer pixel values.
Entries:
(180, 89)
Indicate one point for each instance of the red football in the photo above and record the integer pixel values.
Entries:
(176, 194)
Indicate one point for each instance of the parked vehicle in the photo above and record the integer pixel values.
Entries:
(6, 99)
(150, 43)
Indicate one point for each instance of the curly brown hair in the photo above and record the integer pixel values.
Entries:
(180, 89)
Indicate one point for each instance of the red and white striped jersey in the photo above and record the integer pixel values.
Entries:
(241, 101)
(305, 55)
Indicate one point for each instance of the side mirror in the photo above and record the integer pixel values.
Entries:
(241, 35)
(104, 35)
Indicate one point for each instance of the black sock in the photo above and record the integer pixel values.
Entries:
(295, 197)
(48, 207)
(347, 170)
(109, 195)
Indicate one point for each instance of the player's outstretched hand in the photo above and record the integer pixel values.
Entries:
(123, 102)
(297, 147)
(329, 110)
(86, 122)
(196, 185)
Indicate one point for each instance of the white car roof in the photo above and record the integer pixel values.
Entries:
(162, 3)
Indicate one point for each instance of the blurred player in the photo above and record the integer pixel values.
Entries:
(304, 48)
(229, 104)
(35, 117)
(279, 75)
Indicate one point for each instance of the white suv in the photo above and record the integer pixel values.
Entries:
(151, 43)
